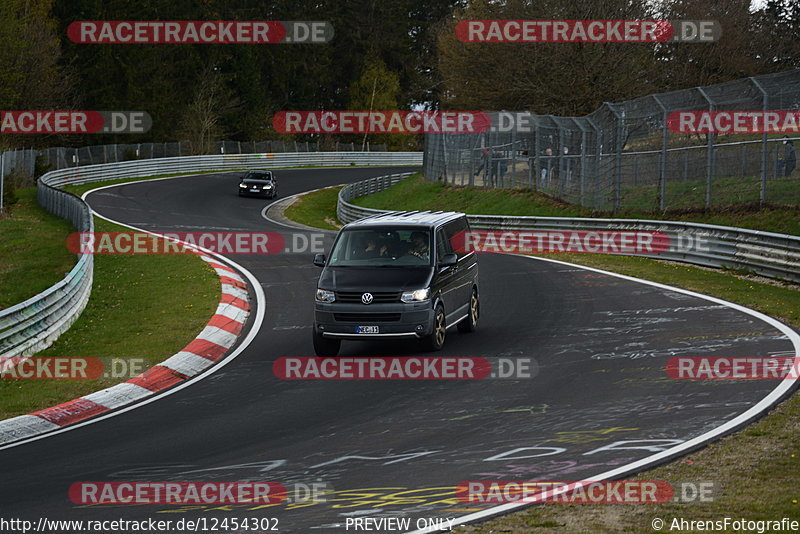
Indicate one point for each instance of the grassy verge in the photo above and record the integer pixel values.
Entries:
(317, 209)
(146, 307)
(686, 195)
(416, 193)
(755, 471)
(33, 255)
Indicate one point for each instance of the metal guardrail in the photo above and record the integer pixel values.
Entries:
(764, 253)
(35, 324)
(228, 162)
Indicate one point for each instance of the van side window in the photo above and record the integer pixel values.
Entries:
(454, 232)
(442, 245)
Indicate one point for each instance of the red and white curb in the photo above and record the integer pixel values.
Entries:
(219, 335)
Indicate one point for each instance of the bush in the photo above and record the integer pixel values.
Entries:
(10, 181)
(40, 166)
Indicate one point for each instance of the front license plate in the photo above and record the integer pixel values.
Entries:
(254, 190)
(367, 330)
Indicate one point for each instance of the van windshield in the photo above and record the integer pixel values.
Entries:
(382, 247)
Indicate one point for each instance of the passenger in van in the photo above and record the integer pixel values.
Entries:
(372, 250)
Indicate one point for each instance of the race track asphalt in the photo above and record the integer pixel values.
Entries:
(600, 397)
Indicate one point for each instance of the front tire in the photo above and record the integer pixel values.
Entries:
(324, 347)
(435, 341)
(471, 322)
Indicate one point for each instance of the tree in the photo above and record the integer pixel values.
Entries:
(202, 122)
(775, 36)
(694, 64)
(558, 78)
(30, 75)
(377, 89)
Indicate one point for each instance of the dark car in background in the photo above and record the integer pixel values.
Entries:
(258, 183)
(396, 275)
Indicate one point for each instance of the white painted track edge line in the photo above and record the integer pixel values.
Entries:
(307, 228)
(244, 343)
(781, 390)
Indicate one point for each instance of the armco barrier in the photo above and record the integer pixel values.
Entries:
(226, 162)
(35, 324)
(764, 253)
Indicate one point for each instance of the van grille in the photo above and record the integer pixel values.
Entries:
(377, 297)
(366, 318)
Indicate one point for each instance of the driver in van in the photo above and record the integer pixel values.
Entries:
(419, 245)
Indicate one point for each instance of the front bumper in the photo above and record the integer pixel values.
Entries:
(261, 193)
(394, 320)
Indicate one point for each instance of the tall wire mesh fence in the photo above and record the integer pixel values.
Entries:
(623, 156)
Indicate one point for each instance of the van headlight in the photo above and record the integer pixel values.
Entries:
(323, 295)
(418, 295)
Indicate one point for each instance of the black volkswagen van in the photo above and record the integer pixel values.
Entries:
(396, 275)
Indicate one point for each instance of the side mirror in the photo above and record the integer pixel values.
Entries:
(319, 260)
(448, 260)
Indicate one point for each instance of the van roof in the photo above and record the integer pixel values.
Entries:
(410, 218)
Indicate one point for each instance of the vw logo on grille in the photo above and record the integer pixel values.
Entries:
(366, 298)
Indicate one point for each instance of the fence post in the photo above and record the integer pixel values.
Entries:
(762, 195)
(662, 162)
(444, 155)
(2, 177)
(597, 163)
(710, 153)
(617, 157)
(537, 150)
(583, 160)
(513, 156)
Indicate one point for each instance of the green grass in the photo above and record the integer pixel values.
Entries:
(33, 251)
(141, 306)
(415, 193)
(316, 209)
(725, 192)
(755, 470)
